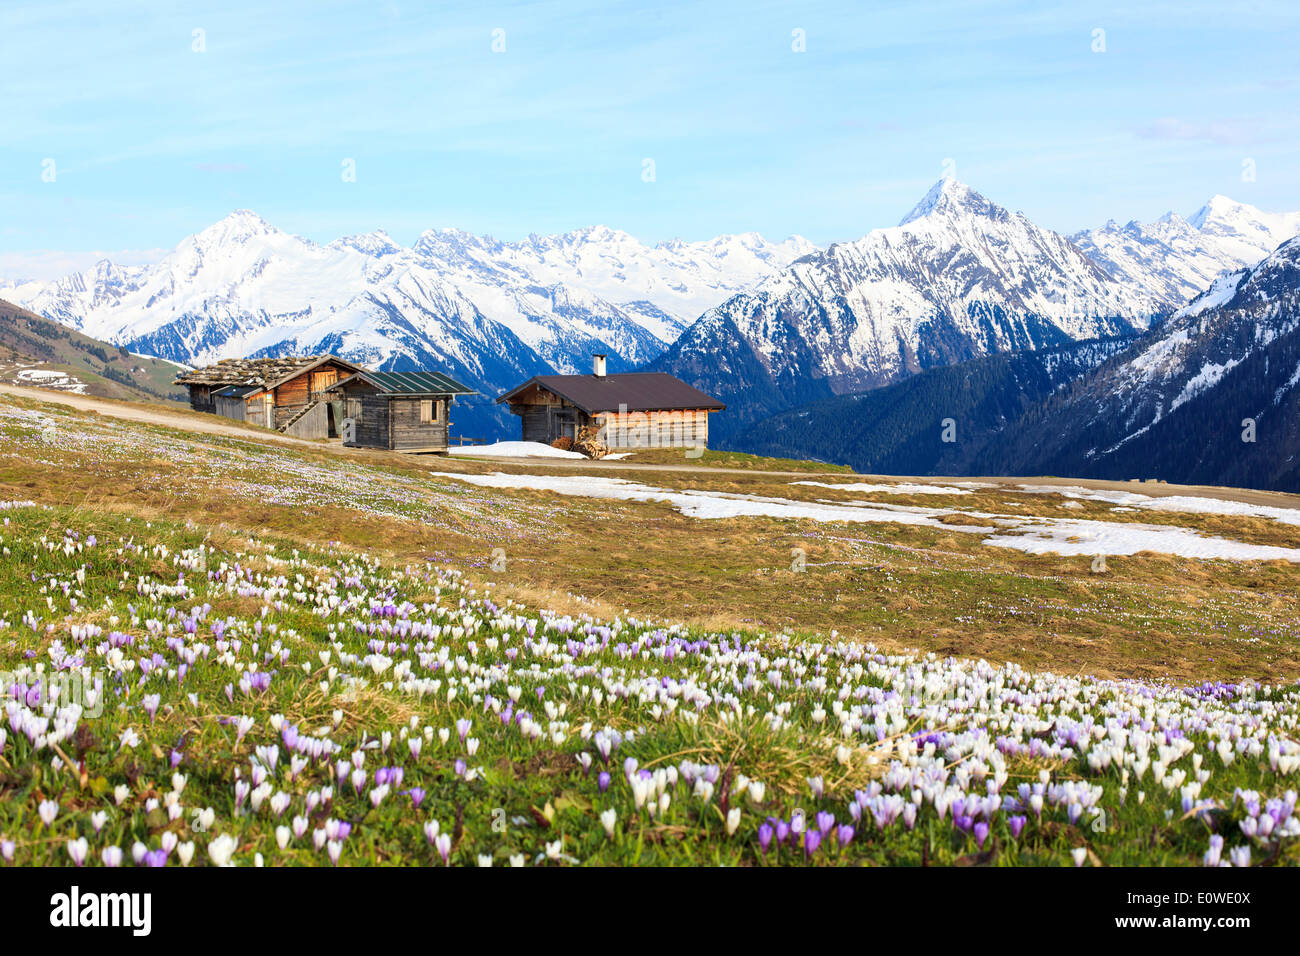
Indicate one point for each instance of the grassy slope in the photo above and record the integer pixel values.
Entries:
(895, 585)
(728, 459)
(236, 561)
(27, 340)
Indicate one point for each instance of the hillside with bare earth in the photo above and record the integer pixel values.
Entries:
(39, 353)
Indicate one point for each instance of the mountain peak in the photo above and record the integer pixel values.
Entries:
(1218, 207)
(238, 226)
(950, 198)
(376, 243)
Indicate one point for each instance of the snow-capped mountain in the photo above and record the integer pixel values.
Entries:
(959, 277)
(485, 311)
(1210, 396)
(681, 279)
(1175, 258)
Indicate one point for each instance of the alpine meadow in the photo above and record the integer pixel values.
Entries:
(550, 434)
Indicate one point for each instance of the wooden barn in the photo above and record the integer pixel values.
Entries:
(631, 409)
(400, 411)
(287, 393)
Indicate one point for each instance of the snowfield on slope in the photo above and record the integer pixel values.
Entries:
(1186, 504)
(1029, 534)
(522, 449)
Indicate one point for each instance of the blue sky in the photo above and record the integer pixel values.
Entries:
(151, 139)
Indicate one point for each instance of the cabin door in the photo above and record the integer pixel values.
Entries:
(566, 424)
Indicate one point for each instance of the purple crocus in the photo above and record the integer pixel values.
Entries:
(981, 833)
(765, 833)
(1016, 824)
(811, 841)
(603, 781)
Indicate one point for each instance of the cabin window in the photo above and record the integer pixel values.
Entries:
(428, 411)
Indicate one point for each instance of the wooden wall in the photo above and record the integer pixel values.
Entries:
(370, 412)
(315, 424)
(544, 416)
(227, 407)
(687, 428)
(408, 433)
(201, 399)
(541, 415)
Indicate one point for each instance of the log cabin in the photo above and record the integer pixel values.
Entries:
(630, 409)
(399, 411)
(287, 394)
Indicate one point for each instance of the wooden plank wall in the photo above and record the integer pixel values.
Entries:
(666, 429)
(235, 408)
(408, 433)
(315, 424)
(255, 409)
(201, 399)
(370, 412)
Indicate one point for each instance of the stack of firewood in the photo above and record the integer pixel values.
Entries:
(590, 443)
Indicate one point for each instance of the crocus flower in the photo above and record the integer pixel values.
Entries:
(222, 849)
(48, 810)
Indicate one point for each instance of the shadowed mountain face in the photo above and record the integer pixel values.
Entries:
(959, 278)
(1210, 397)
(903, 429)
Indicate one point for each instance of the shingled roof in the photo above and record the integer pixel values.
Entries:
(635, 391)
(265, 372)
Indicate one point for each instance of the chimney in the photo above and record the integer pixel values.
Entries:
(598, 365)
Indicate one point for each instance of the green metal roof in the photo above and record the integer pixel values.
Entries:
(412, 383)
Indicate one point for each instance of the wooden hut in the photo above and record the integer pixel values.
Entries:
(630, 409)
(399, 411)
(286, 393)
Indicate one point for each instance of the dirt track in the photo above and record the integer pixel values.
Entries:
(209, 424)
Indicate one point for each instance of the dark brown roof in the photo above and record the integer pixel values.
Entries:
(266, 372)
(637, 391)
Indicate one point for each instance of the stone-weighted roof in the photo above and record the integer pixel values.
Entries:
(266, 372)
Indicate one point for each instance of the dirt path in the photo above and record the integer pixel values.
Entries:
(212, 425)
(153, 415)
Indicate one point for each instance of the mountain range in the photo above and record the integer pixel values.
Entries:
(488, 313)
(960, 277)
(1210, 396)
(767, 327)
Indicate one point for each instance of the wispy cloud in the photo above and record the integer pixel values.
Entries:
(1228, 132)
